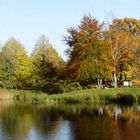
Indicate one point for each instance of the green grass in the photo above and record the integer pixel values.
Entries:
(95, 96)
(119, 95)
(27, 96)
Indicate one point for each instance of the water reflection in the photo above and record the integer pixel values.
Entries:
(68, 122)
(62, 131)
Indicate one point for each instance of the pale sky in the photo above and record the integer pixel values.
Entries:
(26, 20)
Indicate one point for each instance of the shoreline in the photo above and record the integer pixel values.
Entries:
(94, 96)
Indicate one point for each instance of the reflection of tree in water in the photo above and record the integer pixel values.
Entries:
(16, 121)
(93, 128)
(85, 121)
(89, 122)
(99, 122)
(112, 111)
(123, 113)
(47, 120)
(102, 128)
(99, 126)
(4, 104)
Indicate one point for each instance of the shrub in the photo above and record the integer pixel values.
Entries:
(66, 87)
(126, 98)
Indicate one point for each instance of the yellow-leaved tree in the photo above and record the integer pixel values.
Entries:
(16, 66)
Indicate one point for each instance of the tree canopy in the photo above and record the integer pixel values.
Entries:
(85, 51)
(98, 52)
(46, 61)
(15, 66)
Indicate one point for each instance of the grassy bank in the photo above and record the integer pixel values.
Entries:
(27, 96)
(96, 96)
(119, 95)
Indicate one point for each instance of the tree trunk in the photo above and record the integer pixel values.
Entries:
(115, 79)
(99, 83)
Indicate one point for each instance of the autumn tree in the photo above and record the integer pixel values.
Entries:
(15, 67)
(121, 50)
(85, 48)
(46, 61)
(131, 26)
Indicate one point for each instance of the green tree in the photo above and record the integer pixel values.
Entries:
(16, 66)
(46, 61)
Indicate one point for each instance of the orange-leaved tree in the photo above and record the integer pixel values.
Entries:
(122, 50)
(85, 47)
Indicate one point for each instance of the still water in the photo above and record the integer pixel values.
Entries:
(68, 122)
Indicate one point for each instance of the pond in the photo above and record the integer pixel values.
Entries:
(68, 122)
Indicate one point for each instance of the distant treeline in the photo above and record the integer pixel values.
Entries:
(97, 53)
